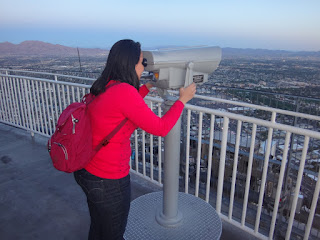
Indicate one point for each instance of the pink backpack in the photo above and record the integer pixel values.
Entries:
(70, 146)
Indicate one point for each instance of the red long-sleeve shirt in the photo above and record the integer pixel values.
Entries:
(107, 111)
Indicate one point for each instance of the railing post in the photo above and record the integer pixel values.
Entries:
(28, 107)
(222, 163)
(291, 145)
(287, 172)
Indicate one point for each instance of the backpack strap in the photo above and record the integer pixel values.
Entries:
(106, 140)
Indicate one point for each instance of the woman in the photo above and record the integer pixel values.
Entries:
(106, 180)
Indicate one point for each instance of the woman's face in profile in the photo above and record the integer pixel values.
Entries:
(139, 67)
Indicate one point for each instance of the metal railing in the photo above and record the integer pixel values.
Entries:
(252, 170)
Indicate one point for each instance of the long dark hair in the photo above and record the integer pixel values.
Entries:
(120, 66)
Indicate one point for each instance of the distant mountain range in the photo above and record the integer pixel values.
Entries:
(264, 53)
(38, 48)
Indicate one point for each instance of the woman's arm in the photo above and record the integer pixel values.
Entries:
(136, 110)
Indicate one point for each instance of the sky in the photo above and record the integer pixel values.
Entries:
(265, 24)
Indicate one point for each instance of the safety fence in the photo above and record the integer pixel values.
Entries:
(259, 173)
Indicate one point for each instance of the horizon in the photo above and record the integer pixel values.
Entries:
(272, 25)
(164, 47)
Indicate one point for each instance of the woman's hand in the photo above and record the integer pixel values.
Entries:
(186, 94)
(149, 85)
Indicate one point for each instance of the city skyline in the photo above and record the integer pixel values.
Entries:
(274, 25)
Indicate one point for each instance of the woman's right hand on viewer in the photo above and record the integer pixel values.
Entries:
(186, 94)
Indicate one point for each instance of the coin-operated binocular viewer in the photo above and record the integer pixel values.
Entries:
(173, 69)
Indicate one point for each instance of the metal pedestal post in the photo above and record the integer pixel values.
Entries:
(169, 215)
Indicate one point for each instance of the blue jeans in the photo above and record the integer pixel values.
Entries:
(108, 202)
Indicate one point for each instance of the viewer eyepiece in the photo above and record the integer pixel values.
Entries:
(145, 62)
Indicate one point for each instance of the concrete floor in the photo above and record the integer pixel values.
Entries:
(39, 202)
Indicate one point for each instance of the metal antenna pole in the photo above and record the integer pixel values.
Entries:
(79, 59)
